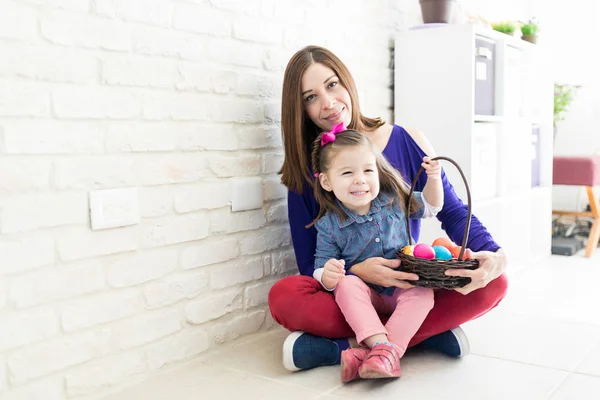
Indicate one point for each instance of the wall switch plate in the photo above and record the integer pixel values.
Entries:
(246, 194)
(114, 207)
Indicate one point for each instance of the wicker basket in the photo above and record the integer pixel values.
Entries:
(431, 272)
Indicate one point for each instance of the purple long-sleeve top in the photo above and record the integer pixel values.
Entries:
(406, 156)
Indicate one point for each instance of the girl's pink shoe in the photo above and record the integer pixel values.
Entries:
(383, 361)
(351, 359)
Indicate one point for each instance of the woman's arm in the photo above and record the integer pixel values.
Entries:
(492, 259)
(302, 209)
(453, 215)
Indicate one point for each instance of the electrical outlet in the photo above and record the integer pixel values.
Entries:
(246, 194)
(114, 207)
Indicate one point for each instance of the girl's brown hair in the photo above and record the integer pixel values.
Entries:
(390, 180)
(297, 129)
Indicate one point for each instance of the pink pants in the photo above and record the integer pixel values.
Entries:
(361, 304)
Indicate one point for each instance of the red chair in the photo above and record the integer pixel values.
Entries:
(581, 171)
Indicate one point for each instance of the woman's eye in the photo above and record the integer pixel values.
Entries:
(332, 84)
(309, 98)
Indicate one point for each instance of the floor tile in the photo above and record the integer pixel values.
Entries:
(578, 387)
(538, 341)
(432, 376)
(558, 289)
(591, 363)
(263, 357)
(205, 381)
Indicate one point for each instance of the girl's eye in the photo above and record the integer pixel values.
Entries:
(368, 170)
(347, 173)
(309, 98)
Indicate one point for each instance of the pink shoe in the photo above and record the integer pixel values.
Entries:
(383, 361)
(351, 359)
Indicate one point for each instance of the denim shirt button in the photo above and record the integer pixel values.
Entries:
(377, 240)
(370, 219)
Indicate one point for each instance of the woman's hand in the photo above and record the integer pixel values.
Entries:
(380, 271)
(491, 266)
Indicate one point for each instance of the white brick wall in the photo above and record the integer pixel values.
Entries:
(177, 98)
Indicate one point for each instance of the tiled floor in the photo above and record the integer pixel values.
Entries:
(542, 342)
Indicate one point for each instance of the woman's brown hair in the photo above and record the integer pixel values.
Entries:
(297, 129)
(390, 180)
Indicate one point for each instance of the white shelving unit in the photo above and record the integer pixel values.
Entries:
(436, 73)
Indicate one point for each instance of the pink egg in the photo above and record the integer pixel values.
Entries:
(423, 250)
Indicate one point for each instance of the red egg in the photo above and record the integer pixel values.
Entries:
(445, 242)
(423, 250)
(468, 254)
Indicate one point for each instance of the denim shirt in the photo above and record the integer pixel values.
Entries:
(379, 233)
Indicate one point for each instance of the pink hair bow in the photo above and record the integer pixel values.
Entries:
(329, 137)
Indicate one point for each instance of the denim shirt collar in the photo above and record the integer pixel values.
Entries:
(376, 205)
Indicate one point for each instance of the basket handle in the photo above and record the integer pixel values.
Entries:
(468, 224)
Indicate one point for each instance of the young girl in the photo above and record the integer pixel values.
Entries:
(362, 200)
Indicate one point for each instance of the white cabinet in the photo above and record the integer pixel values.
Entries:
(442, 75)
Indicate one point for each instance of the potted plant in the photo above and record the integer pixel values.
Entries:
(563, 96)
(529, 31)
(437, 11)
(507, 27)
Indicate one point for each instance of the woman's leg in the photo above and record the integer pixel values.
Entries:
(452, 309)
(411, 307)
(299, 303)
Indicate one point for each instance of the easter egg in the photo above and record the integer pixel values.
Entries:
(442, 253)
(468, 254)
(423, 250)
(443, 241)
(408, 250)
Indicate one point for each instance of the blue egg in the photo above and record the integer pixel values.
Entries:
(442, 253)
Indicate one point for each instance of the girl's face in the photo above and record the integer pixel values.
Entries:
(326, 101)
(353, 178)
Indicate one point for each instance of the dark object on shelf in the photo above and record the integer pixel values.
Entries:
(432, 272)
(437, 11)
(566, 246)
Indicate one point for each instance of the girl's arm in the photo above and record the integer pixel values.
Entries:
(434, 189)
(329, 268)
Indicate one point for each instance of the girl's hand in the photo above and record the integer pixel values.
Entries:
(333, 272)
(433, 169)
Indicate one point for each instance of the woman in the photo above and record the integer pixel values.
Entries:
(319, 92)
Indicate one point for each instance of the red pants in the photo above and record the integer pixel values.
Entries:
(299, 303)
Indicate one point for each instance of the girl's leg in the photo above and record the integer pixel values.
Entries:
(411, 306)
(357, 302)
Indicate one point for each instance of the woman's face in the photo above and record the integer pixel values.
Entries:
(325, 100)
